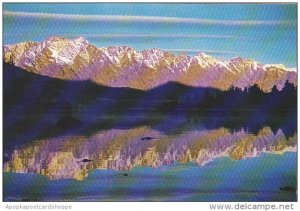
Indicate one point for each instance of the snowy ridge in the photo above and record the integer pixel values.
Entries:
(123, 66)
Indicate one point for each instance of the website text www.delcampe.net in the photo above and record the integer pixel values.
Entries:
(251, 206)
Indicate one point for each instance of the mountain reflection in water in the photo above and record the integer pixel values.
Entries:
(64, 157)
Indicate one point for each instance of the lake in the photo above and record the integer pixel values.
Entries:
(155, 157)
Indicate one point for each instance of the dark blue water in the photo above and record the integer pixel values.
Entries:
(255, 179)
(171, 159)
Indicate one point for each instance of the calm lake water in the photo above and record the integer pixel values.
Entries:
(152, 158)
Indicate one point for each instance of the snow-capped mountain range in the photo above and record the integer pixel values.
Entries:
(123, 66)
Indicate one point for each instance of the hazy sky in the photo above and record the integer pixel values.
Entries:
(263, 32)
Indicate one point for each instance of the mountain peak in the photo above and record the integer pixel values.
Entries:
(279, 66)
(237, 59)
(81, 40)
(122, 66)
(203, 55)
(55, 38)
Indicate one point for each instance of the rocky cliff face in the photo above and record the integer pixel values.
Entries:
(122, 66)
